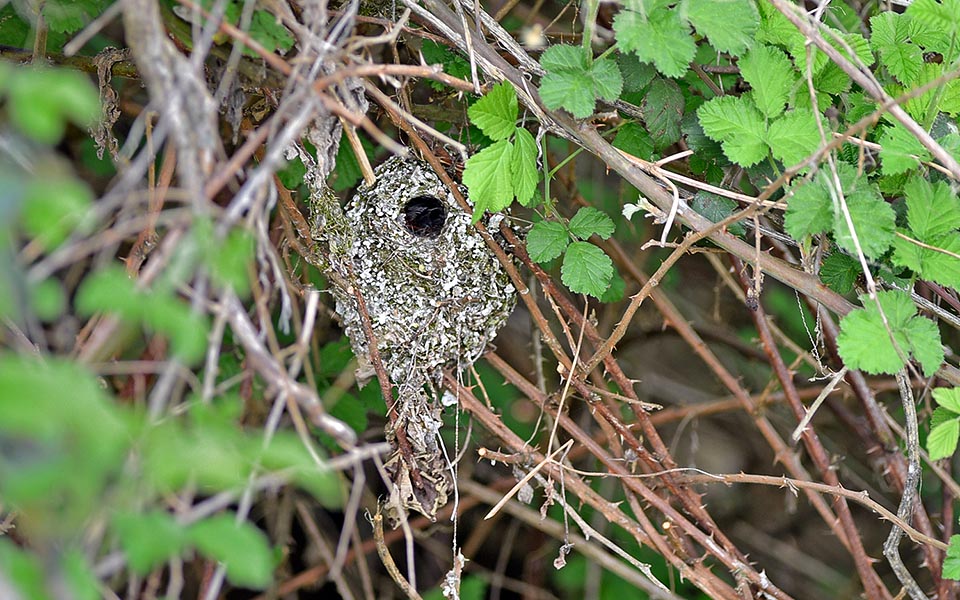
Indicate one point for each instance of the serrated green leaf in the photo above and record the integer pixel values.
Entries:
(794, 136)
(149, 539)
(633, 139)
(809, 209)
(607, 81)
(942, 15)
(948, 398)
(636, 75)
(523, 167)
(662, 109)
(269, 32)
(840, 272)
(770, 75)
(873, 220)
(738, 126)
(932, 208)
(900, 150)
(570, 90)
(716, 208)
(546, 241)
(586, 269)
(68, 16)
(660, 37)
(890, 39)
(453, 64)
(615, 292)
(241, 547)
(951, 562)
(942, 441)
(589, 221)
(484, 177)
(730, 25)
(941, 415)
(496, 113)
(564, 57)
(924, 339)
(865, 342)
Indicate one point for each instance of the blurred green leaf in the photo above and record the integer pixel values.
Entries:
(54, 207)
(149, 539)
(43, 100)
(241, 547)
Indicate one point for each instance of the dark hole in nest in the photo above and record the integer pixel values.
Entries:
(424, 216)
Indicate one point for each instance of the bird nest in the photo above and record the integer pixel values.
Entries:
(434, 292)
(435, 296)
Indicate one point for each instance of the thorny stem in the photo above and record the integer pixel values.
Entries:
(891, 548)
(818, 453)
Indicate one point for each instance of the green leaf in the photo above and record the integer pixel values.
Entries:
(564, 57)
(942, 441)
(794, 136)
(42, 100)
(933, 264)
(738, 126)
(951, 563)
(546, 241)
(68, 16)
(453, 64)
(865, 342)
(48, 299)
(589, 221)
(932, 208)
(716, 208)
(615, 292)
(23, 569)
(523, 167)
(54, 207)
(241, 547)
(496, 113)
(900, 150)
(730, 25)
(230, 259)
(636, 75)
(941, 16)
(269, 32)
(484, 176)
(890, 39)
(573, 81)
(770, 75)
(347, 172)
(79, 577)
(941, 415)
(840, 272)
(570, 90)
(607, 81)
(149, 539)
(586, 269)
(633, 139)
(873, 220)
(809, 209)
(948, 398)
(662, 110)
(924, 339)
(660, 37)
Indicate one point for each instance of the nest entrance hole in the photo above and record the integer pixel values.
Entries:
(424, 216)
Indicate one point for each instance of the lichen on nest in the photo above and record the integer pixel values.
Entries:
(434, 297)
